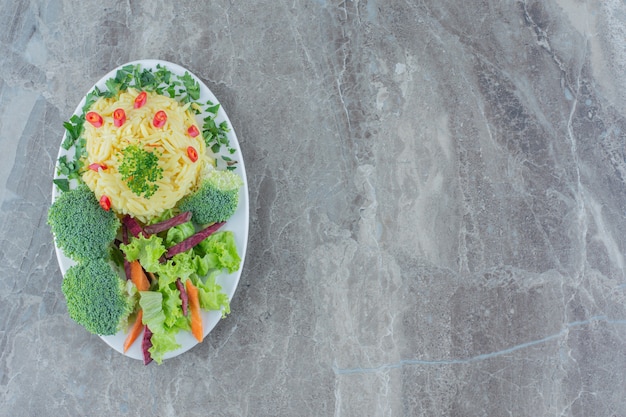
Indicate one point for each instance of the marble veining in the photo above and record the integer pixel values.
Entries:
(437, 207)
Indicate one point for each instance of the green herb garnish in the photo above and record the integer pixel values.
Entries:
(215, 135)
(74, 128)
(192, 88)
(140, 170)
(71, 168)
(62, 183)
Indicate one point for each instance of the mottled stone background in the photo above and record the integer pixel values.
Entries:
(437, 194)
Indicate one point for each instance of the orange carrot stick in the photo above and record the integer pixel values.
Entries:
(194, 310)
(134, 331)
(138, 276)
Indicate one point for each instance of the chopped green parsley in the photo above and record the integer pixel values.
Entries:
(140, 170)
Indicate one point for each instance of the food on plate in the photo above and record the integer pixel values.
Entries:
(216, 197)
(144, 190)
(147, 161)
(83, 230)
(97, 298)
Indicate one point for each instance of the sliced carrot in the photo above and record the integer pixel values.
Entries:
(138, 276)
(194, 310)
(134, 332)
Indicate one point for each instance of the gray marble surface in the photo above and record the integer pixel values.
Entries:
(437, 195)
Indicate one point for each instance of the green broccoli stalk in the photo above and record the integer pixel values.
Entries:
(82, 229)
(97, 298)
(216, 198)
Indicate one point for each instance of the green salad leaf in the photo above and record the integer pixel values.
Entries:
(162, 343)
(179, 233)
(148, 250)
(211, 295)
(202, 264)
(220, 251)
(151, 303)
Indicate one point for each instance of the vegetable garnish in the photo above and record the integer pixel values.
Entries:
(192, 240)
(160, 118)
(96, 296)
(140, 170)
(94, 118)
(105, 203)
(138, 276)
(168, 224)
(146, 345)
(96, 166)
(140, 100)
(192, 154)
(119, 117)
(134, 332)
(133, 226)
(81, 228)
(216, 199)
(155, 273)
(184, 298)
(194, 310)
(193, 131)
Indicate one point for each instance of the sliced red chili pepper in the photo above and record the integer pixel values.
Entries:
(193, 131)
(105, 203)
(119, 117)
(96, 166)
(192, 153)
(160, 118)
(140, 100)
(94, 118)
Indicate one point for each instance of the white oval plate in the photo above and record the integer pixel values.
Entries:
(238, 223)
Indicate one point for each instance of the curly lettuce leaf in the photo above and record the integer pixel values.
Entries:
(162, 311)
(147, 250)
(180, 266)
(162, 343)
(158, 314)
(151, 302)
(179, 233)
(219, 251)
(211, 296)
(171, 305)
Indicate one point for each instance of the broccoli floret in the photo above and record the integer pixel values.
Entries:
(82, 229)
(97, 298)
(216, 198)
